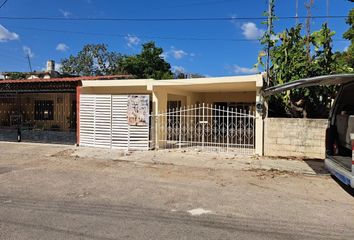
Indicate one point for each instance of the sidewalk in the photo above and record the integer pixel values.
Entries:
(213, 160)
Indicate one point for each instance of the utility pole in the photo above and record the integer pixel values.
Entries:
(29, 62)
(296, 12)
(270, 20)
(308, 27)
(327, 10)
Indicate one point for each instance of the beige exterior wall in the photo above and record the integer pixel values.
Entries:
(238, 97)
(188, 99)
(238, 89)
(290, 137)
(115, 90)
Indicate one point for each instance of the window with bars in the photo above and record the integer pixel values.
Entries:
(44, 110)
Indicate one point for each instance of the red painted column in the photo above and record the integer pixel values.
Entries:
(78, 92)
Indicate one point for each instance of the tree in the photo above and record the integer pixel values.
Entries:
(92, 60)
(15, 75)
(348, 56)
(289, 61)
(180, 73)
(148, 64)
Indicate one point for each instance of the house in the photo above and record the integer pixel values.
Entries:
(45, 109)
(124, 113)
(48, 73)
(208, 113)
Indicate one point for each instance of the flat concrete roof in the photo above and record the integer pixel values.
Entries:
(222, 84)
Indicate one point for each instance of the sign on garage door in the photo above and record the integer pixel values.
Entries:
(104, 122)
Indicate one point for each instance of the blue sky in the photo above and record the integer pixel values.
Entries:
(211, 58)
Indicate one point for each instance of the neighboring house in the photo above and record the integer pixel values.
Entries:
(124, 113)
(50, 72)
(44, 109)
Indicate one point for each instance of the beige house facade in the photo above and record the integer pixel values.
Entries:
(234, 92)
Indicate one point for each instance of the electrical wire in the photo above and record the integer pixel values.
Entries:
(204, 3)
(3, 4)
(163, 19)
(190, 38)
(140, 36)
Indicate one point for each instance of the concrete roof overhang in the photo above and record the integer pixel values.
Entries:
(218, 84)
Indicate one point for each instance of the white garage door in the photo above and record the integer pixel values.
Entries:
(104, 123)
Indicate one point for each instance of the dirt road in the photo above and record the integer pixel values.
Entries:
(53, 192)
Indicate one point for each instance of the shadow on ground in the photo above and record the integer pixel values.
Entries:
(345, 187)
(317, 165)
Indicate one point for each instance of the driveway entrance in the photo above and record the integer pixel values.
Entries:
(208, 128)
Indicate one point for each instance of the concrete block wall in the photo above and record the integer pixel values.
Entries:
(295, 137)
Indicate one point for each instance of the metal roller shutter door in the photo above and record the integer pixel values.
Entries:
(103, 123)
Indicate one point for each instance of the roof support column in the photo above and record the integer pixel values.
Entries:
(259, 131)
(78, 92)
(159, 101)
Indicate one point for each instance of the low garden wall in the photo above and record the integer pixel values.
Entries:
(295, 137)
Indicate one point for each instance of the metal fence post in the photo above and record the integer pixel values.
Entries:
(203, 126)
(180, 128)
(227, 129)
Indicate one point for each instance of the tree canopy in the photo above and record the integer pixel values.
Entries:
(148, 64)
(347, 57)
(290, 61)
(96, 60)
(92, 60)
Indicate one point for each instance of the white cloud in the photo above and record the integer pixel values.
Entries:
(234, 20)
(132, 40)
(274, 37)
(236, 69)
(178, 69)
(27, 51)
(164, 55)
(62, 47)
(251, 31)
(6, 35)
(65, 13)
(58, 67)
(176, 53)
(346, 48)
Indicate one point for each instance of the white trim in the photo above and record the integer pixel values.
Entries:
(151, 83)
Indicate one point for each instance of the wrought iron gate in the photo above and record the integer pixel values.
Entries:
(207, 127)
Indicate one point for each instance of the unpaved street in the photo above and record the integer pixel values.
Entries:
(62, 192)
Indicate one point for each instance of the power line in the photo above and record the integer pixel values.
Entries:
(204, 3)
(140, 36)
(189, 38)
(3, 3)
(164, 19)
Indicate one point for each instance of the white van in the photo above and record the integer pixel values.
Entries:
(340, 132)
